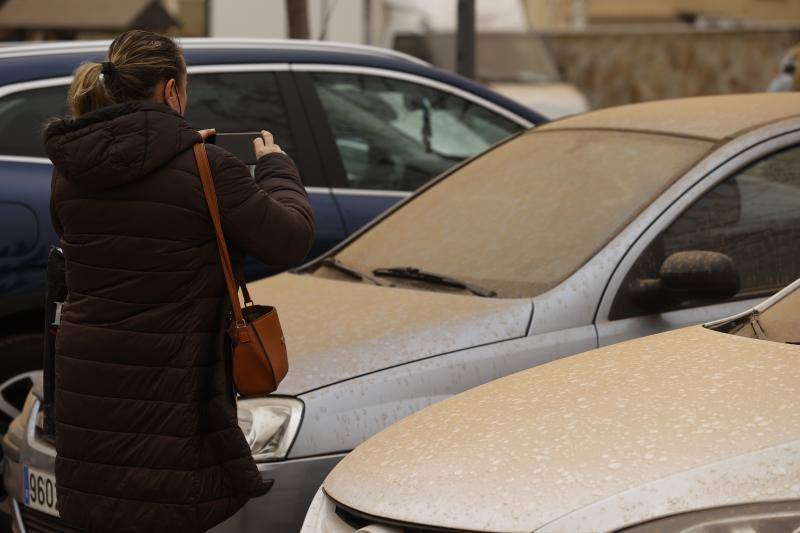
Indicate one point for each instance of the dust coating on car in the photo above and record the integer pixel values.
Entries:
(361, 328)
(677, 421)
(708, 117)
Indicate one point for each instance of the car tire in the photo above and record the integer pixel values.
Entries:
(20, 359)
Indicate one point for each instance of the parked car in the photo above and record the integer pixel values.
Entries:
(366, 127)
(686, 431)
(565, 238)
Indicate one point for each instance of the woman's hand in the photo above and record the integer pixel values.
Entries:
(205, 134)
(266, 145)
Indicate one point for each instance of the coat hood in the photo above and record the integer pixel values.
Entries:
(337, 330)
(117, 144)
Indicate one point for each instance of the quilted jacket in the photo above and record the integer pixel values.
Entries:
(146, 426)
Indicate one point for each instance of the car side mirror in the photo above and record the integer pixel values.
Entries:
(687, 276)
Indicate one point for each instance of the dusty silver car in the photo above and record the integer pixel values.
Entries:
(582, 233)
(695, 430)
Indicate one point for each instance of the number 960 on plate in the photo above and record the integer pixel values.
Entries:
(40, 490)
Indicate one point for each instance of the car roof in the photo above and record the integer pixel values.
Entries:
(709, 117)
(49, 60)
(66, 47)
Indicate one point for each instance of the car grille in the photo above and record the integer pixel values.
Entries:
(358, 520)
(36, 522)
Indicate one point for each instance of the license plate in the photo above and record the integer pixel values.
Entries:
(40, 490)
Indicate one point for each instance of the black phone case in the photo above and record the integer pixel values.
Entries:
(238, 144)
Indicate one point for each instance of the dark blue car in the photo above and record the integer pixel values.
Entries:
(366, 127)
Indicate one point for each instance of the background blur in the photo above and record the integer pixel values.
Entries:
(613, 51)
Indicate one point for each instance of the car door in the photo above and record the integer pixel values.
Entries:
(25, 109)
(751, 214)
(387, 133)
(249, 98)
(25, 232)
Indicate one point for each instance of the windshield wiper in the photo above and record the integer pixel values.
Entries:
(432, 277)
(755, 323)
(334, 263)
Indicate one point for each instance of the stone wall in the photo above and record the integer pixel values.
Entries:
(614, 68)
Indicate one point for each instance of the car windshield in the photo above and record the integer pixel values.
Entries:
(523, 217)
(780, 322)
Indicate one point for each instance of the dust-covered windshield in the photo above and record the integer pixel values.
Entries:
(521, 218)
(780, 322)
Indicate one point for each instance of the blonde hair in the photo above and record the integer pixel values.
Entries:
(137, 61)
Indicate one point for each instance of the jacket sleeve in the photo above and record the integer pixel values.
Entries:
(268, 217)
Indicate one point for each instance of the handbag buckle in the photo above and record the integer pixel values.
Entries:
(240, 333)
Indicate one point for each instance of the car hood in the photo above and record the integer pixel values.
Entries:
(337, 330)
(648, 427)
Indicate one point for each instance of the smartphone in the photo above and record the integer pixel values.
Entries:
(239, 144)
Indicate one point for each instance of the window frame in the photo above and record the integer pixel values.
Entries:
(299, 119)
(313, 173)
(22, 87)
(735, 156)
(324, 134)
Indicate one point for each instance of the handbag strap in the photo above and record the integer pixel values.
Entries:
(204, 168)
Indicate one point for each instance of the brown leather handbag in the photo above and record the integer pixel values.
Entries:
(260, 361)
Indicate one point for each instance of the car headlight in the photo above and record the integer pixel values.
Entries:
(270, 425)
(767, 517)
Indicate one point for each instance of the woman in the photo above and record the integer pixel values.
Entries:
(147, 433)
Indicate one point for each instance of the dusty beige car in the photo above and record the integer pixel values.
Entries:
(695, 430)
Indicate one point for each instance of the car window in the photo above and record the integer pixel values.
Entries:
(230, 102)
(237, 102)
(752, 216)
(397, 135)
(23, 116)
(523, 217)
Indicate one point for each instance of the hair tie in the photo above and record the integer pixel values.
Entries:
(107, 71)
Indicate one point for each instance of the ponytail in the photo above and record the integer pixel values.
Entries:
(137, 61)
(87, 92)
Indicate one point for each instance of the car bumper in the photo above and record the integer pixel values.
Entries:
(322, 517)
(281, 510)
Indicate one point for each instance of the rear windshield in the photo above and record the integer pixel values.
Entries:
(523, 217)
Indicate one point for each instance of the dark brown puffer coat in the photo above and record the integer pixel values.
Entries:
(147, 433)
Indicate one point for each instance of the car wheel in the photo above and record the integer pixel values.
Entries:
(20, 363)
